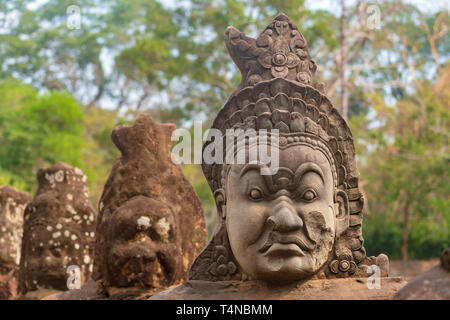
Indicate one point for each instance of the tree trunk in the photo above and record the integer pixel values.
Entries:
(406, 217)
(343, 63)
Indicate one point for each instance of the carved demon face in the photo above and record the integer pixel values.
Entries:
(282, 227)
(142, 247)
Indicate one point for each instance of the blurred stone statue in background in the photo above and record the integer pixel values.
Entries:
(59, 232)
(151, 224)
(12, 207)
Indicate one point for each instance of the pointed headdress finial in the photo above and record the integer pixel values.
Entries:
(280, 51)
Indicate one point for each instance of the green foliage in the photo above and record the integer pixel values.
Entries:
(406, 176)
(8, 179)
(37, 131)
(41, 48)
(382, 234)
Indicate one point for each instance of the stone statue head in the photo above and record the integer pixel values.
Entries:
(304, 219)
(59, 230)
(143, 240)
(151, 225)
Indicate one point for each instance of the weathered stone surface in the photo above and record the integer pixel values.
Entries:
(151, 224)
(59, 231)
(326, 289)
(91, 290)
(433, 284)
(96, 290)
(12, 207)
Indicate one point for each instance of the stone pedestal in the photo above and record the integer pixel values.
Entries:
(96, 290)
(327, 289)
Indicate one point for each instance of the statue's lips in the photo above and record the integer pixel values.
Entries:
(289, 243)
(284, 250)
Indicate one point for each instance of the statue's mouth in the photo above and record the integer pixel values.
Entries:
(278, 239)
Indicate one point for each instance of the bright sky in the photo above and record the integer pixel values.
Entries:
(426, 5)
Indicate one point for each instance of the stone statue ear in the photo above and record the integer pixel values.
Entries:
(219, 196)
(341, 211)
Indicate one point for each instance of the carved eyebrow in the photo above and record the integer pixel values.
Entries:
(258, 166)
(306, 167)
(252, 166)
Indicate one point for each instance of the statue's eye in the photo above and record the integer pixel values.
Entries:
(255, 194)
(309, 195)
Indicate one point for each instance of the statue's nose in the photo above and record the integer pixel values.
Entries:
(284, 217)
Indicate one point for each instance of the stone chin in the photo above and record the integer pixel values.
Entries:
(285, 269)
(127, 266)
(286, 263)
